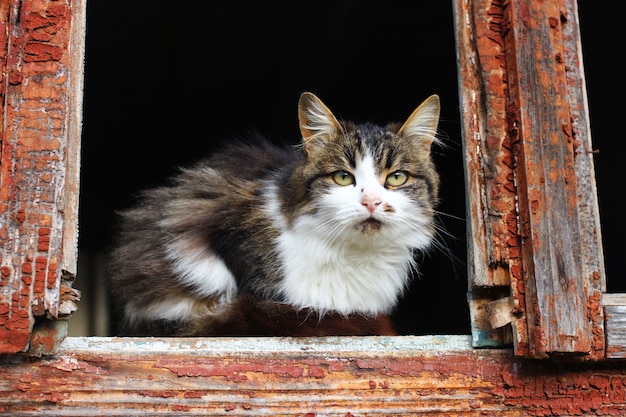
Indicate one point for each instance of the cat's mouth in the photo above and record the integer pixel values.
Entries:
(370, 225)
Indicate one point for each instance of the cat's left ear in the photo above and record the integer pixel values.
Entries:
(316, 120)
(422, 123)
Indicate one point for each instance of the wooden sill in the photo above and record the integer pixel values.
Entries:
(334, 376)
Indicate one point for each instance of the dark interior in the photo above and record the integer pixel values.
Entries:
(167, 81)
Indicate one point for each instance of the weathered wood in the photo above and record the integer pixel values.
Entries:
(365, 376)
(488, 153)
(587, 197)
(562, 296)
(534, 216)
(484, 333)
(74, 118)
(501, 312)
(613, 299)
(41, 87)
(615, 318)
(493, 241)
(615, 324)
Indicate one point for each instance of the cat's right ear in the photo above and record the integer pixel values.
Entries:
(422, 123)
(316, 120)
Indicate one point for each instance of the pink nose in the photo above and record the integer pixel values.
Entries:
(370, 201)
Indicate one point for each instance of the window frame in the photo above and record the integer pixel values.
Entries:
(517, 60)
(43, 51)
(529, 165)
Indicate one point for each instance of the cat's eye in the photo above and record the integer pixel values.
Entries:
(396, 179)
(343, 178)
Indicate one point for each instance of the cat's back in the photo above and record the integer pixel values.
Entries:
(249, 158)
(237, 169)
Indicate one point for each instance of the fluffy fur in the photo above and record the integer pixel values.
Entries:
(322, 235)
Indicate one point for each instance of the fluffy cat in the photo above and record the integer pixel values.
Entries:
(317, 239)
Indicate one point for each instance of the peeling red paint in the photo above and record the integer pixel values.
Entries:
(471, 383)
(35, 59)
(180, 407)
(40, 51)
(193, 394)
(316, 372)
(540, 134)
(159, 394)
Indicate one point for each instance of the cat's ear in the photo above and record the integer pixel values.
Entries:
(316, 120)
(422, 123)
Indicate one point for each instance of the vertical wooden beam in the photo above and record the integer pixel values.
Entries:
(494, 244)
(39, 166)
(534, 224)
(489, 168)
(561, 315)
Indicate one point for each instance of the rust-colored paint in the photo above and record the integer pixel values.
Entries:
(489, 150)
(303, 377)
(34, 39)
(526, 133)
(539, 44)
(490, 161)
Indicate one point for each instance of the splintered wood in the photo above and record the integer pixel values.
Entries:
(534, 223)
(330, 377)
(38, 166)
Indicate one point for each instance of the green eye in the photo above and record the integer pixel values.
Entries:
(343, 178)
(396, 179)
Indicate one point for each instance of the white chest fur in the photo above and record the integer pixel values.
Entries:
(348, 278)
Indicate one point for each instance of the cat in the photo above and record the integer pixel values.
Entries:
(314, 239)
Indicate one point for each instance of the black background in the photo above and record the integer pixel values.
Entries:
(166, 81)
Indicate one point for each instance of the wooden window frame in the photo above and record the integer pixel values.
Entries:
(535, 247)
(536, 273)
(43, 52)
(528, 163)
(536, 282)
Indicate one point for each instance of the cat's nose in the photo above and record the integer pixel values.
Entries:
(370, 201)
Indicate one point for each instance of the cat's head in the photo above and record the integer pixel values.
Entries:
(368, 181)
